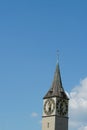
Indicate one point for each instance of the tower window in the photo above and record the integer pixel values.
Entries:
(48, 125)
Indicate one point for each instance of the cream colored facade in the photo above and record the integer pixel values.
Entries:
(48, 123)
(54, 123)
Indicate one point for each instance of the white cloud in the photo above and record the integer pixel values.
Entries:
(78, 106)
(83, 128)
(34, 114)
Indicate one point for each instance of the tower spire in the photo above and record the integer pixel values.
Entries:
(56, 88)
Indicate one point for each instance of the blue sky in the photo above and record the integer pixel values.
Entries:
(30, 34)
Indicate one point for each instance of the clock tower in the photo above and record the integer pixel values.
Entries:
(55, 105)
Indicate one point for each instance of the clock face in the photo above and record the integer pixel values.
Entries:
(62, 107)
(49, 106)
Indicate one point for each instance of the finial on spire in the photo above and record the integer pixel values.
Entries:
(57, 56)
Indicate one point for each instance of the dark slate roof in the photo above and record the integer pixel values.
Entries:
(56, 89)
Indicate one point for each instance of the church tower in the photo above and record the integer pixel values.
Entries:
(55, 105)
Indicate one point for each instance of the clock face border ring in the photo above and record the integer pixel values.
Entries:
(62, 107)
(49, 106)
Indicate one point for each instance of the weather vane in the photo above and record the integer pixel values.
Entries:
(57, 56)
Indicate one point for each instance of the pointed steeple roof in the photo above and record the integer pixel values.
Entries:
(56, 89)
